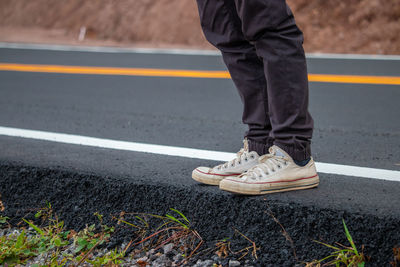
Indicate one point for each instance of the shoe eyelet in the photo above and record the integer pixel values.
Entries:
(273, 170)
(285, 163)
(279, 166)
(252, 156)
(246, 159)
(260, 176)
(239, 162)
(232, 165)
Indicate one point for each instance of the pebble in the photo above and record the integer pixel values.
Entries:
(161, 261)
(206, 263)
(139, 254)
(167, 248)
(215, 258)
(233, 263)
(143, 259)
(177, 258)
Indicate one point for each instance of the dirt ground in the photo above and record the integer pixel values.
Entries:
(335, 26)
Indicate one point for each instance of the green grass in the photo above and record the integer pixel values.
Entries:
(3, 220)
(341, 255)
(18, 248)
(53, 240)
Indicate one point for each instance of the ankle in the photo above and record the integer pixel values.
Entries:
(260, 147)
(302, 163)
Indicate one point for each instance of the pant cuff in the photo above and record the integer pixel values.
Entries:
(260, 147)
(298, 153)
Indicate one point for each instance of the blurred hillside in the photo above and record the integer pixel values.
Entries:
(336, 26)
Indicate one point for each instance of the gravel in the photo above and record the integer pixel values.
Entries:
(167, 256)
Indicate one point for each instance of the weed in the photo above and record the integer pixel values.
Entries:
(50, 242)
(396, 257)
(253, 248)
(341, 255)
(113, 257)
(2, 208)
(87, 240)
(3, 220)
(284, 232)
(223, 247)
(174, 228)
(17, 248)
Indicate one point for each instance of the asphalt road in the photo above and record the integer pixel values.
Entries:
(355, 124)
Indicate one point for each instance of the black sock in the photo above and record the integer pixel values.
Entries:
(302, 163)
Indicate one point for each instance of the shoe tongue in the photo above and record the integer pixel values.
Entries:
(275, 150)
(279, 153)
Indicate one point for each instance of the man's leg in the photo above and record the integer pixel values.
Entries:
(270, 26)
(223, 28)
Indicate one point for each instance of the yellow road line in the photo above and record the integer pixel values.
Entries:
(328, 78)
(114, 71)
(331, 78)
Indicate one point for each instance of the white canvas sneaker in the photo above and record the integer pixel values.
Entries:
(244, 160)
(276, 172)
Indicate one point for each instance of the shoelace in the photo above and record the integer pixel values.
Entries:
(242, 154)
(268, 164)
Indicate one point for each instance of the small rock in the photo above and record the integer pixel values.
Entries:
(172, 253)
(153, 257)
(142, 259)
(177, 257)
(139, 255)
(233, 263)
(15, 232)
(161, 262)
(206, 263)
(151, 251)
(224, 262)
(168, 247)
(215, 258)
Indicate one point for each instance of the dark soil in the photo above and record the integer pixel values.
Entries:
(352, 26)
(76, 196)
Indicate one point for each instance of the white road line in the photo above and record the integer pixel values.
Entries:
(192, 52)
(363, 172)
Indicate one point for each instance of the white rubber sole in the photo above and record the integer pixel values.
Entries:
(208, 179)
(267, 188)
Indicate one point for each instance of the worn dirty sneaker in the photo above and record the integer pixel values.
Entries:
(244, 160)
(276, 172)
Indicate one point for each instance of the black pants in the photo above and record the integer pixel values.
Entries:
(263, 50)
